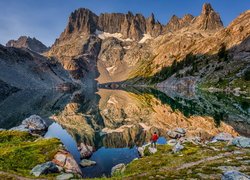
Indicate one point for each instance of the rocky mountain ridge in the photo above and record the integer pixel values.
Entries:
(29, 43)
(118, 43)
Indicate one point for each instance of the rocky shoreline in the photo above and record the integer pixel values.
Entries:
(179, 148)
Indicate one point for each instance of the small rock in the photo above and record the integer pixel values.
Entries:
(235, 175)
(177, 148)
(241, 142)
(141, 151)
(152, 150)
(172, 142)
(45, 168)
(119, 169)
(86, 151)
(86, 163)
(64, 176)
(222, 137)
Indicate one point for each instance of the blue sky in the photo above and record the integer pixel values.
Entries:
(46, 19)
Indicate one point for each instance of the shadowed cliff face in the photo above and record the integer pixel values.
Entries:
(116, 118)
(25, 69)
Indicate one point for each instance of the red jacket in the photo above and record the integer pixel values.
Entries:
(154, 137)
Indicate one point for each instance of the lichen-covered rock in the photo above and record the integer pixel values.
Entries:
(66, 160)
(235, 175)
(45, 168)
(118, 169)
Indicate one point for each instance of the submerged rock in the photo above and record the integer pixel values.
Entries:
(177, 148)
(45, 168)
(241, 142)
(235, 175)
(222, 137)
(118, 169)
(86, 163)
(66, 160)
(85, 150)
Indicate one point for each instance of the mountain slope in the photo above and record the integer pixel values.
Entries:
(24, 69)
(29, 43)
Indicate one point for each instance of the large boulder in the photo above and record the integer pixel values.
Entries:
(176, 133)
(235, 175)
(86, 163)
(65, 159)
(241, 142)
(45, 168)
(222, 137)
(33, 124)
(85, 150)
(118, 169)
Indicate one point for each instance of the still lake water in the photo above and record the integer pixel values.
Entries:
(115, 122)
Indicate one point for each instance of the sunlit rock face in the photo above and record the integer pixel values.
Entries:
(116, 118)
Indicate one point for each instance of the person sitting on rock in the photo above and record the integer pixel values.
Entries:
(154, 139)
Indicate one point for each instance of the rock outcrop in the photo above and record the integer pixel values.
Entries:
(209, 19)
(176, 23)
(29, 43)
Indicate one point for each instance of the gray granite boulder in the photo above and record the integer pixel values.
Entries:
(45, 168)
(241, 142)
(235, 175)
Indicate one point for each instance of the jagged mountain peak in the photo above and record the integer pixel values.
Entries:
(206, 8)
(209, 19)
(29, 43)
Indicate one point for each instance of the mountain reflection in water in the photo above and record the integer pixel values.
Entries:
(114, 122)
